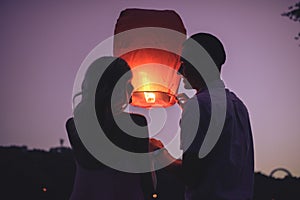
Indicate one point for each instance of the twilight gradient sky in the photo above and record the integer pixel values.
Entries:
(44, 42)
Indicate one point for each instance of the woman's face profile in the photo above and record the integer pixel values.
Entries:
(129, 89)
(121, 97)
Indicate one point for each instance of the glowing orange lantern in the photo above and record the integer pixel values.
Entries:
(151, 42)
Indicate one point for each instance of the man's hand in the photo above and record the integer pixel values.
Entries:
(182, 99)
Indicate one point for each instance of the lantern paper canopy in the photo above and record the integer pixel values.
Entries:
(150, 41)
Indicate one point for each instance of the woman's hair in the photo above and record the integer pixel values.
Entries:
(99, 82)
(107, 83)
(97, 87)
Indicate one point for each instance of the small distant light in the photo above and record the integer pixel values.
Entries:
(44, 189)
(154, 196)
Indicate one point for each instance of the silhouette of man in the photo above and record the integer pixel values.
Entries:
(227, 171)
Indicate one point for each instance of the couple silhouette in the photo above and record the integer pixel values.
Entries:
(216, 137)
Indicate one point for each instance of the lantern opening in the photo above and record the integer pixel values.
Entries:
(152, 99)
(153, 95)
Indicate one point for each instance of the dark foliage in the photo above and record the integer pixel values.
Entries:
(36, 174)
(294, 14)
(45, 175)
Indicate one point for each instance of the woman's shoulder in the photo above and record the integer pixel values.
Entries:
(82, 155)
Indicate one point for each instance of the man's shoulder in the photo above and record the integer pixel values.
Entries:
(235, 99)
(203, 97)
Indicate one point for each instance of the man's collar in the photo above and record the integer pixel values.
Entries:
(213, 84)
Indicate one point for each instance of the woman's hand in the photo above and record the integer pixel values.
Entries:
(155, 144)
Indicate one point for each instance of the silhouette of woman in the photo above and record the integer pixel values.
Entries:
(93, 179)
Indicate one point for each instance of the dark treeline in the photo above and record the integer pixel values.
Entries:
(43, 175)
(36, 174)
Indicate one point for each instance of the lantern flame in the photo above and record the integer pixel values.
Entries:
(150, 97)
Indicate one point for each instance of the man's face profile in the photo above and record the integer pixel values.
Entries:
(189, 74)
(185, 79)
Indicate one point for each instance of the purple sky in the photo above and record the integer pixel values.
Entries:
(44, 42)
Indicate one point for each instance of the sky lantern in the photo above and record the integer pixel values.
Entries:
(151, 43)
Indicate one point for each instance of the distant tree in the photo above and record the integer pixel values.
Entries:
(61, 141)
(294, 14)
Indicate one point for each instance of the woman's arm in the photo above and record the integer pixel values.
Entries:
(163, 157)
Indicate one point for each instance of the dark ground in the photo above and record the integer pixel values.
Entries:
(49, 175)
